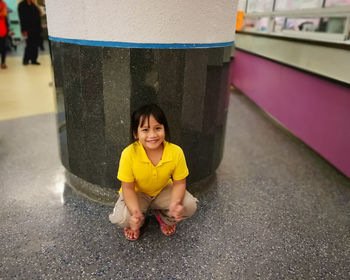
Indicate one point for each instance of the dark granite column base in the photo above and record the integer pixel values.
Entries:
(103, 195)
(107, 196)
(98, 88)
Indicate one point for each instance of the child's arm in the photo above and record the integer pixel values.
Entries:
(132, 203)
(178, 193)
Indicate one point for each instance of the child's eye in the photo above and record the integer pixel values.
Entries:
(144, 129)
(158, 128)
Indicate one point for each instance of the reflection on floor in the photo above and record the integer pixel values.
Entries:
(275, 210)
(26, 90)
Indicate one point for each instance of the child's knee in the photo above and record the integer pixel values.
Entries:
(120, 219)
(120, 215)
(190, 205)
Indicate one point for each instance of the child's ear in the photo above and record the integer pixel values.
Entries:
(135, 136)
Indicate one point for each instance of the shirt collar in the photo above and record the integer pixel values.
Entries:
(166, 154)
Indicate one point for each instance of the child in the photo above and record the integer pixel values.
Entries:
(153, 174)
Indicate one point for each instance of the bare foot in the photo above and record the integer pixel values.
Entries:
(166, 229)
(131, 234)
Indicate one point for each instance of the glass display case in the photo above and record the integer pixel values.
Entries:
(325, 20)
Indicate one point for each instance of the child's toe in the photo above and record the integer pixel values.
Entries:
(131, 234)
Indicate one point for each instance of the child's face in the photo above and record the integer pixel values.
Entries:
(151, 135)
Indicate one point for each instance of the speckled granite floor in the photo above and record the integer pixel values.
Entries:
(275, 210)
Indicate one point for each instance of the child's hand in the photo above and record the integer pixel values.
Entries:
(136, 220)
(176, 210)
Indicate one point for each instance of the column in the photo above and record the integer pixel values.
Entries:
(112, 56)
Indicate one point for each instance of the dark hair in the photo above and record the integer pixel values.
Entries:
(143, 113)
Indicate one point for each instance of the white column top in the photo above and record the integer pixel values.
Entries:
(143, 23)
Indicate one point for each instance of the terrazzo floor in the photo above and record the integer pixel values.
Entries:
(275, 210)
(26, 90)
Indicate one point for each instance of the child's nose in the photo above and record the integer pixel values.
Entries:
(152, 132)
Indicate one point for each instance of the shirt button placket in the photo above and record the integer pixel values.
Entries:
(154, 173)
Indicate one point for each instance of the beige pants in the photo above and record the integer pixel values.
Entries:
(121, 214)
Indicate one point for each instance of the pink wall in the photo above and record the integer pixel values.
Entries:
(315, 110)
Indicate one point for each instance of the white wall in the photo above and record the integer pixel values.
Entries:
(316, 58)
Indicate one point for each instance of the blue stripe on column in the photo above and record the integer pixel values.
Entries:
(139, 45)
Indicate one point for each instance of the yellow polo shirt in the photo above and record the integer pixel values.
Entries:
(135, 166)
